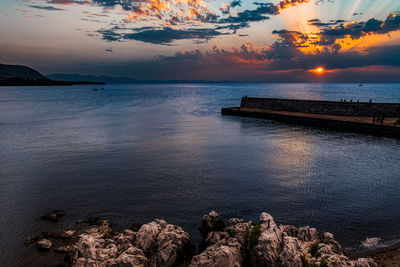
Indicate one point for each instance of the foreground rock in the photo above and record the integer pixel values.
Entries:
(44, 244)
(54, 216)
(226, 247)
(267, 244)
(237, 243)
(155, 244)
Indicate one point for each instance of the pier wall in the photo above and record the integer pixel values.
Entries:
(337, 108)
(341, 125)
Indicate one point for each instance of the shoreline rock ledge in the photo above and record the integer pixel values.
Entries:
(237, 243)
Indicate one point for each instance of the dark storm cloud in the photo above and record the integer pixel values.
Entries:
(168, 35)
(162, 36)
(293, 39)
(234, 27)
(109, 35)
(49, 8)
(126, 4)
(66, 2)
(357, 30)
(248, 63)
(284, 58)
(319, 23)
(236, 3)
(258, 14)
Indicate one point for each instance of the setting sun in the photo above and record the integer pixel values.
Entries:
(318, 71)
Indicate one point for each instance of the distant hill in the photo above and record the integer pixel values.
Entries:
(110, 79)
(8, 72)
(18, 75)
(90, 78)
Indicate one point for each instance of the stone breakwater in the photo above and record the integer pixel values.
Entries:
(334, 108)
(237, 243)
(381, 119)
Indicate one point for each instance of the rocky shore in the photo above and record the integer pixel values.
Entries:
(237, 243)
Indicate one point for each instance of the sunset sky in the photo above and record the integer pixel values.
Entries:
(352, 40)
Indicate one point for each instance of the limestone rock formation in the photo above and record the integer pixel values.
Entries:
(225, 248)
(267, 244)
(211, 222)
(155, 244)
(237, 243)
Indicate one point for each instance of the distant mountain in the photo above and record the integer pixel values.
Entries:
(18, 75)
(110, 79)
(8, 72)
(90, 78)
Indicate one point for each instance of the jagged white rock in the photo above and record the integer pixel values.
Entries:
(266, 252)
(155, 244)
(211, 222)
(161, 244)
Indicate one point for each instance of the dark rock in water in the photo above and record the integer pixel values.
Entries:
(30, 240)
(59, 234)
(54, 216)
(211, 222)
(67, 234)
(44, 244)
(62, 249)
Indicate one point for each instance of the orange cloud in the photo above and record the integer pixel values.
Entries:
(344, 37)
(291, 3)
(171, 11)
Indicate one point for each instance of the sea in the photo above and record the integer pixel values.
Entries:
(135, 152)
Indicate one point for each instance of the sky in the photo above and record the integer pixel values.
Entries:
(211, 40)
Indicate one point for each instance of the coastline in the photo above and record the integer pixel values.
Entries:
(22, 82)
(92, 242)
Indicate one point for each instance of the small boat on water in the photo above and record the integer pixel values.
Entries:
(95, 89)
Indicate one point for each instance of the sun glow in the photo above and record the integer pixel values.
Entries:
(318, 71)
(297, 17)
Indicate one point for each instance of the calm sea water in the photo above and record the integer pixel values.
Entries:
(132, 153)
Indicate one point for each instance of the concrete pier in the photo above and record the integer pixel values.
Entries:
(342, 116)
